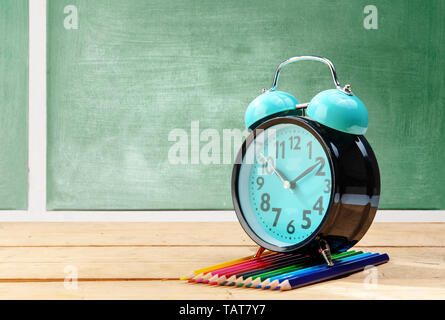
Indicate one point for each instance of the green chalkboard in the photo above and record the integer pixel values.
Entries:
(13, 104)
(124, 76)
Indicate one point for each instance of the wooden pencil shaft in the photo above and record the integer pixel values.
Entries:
(346, 268)
(302, 265)
(253, 267)
(277, 278)
(273, 267)
(228, 263)
(293, 262)
(245, 263)
(234, 272)
(248, 266)
(230, 276)
(298, 273)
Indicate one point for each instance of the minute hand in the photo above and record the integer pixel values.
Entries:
(307, 171)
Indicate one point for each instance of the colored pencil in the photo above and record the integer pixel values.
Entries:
(331, 272)
(281, 271)
(273, 282)
(228, 274)
(221, 265)
(239, 277)
(282, 264)
(274, 267)
(256, 279)
(209, 273)
(227, 269)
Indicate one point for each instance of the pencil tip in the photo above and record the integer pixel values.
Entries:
(248, 285)
(257, 287)
(274, 283)
(286, 285)
(188, 277)
(277, 288)
(191, 280)
(213, 283)
(231, 284)
(266, 287)
(240, 285)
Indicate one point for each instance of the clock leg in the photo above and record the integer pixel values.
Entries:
(325, 252)
(259, 252)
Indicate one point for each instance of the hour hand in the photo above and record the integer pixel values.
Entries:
(286, 183)
(304, 173)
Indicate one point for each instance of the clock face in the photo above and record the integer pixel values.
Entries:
(285, 185)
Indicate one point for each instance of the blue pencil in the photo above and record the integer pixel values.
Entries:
(329, 273)
(272, 282)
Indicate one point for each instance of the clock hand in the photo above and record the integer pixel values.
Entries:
(307, 171)
(286, 183)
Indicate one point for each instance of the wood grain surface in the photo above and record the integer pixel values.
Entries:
(145, 260)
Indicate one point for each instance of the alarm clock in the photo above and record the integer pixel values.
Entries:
(306, 180)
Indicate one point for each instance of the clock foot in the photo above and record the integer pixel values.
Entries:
(259, 252)
(325, 252)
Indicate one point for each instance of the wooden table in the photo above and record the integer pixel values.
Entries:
(144, 261)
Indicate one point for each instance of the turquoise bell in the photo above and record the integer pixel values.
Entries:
(336, 108)
(339, 110)
(268, 104)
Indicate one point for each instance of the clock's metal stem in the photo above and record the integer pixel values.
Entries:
(302, 107)
(325, 251)
(259, 252)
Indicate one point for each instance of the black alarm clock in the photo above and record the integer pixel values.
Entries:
(306, 179)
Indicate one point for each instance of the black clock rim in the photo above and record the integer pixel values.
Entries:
(300, 121)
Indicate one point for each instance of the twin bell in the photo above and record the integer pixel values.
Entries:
(337, 108)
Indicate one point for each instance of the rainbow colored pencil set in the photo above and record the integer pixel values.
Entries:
(280, 271)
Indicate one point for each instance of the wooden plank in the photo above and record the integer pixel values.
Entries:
(345, 288)
(190, 234)
(131, 233)
(111, 262)
(404, 234)
(174, 262)
(132, 271)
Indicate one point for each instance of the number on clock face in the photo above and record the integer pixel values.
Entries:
(285, 192)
